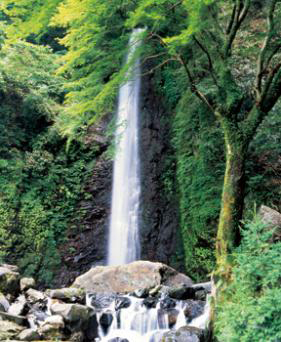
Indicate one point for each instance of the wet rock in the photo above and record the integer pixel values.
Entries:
(9, 279)
(193, 309)
(9, 330)
(182, 292)
(106, 319)
(28, 335)
(118, 339)
(101, 301)
(91, 331)
(68, 294)
(172, 317)
(167, 303)
(75, 315)
(122, 303)
(203, 286)
(150, 302)
(184, 334)
(4, 303)
(141, 293)
(201, 295)
(26, 284)
(130, 277)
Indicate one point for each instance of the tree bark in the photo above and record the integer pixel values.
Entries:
(228, 235)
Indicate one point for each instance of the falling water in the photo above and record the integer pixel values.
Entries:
(124, 235)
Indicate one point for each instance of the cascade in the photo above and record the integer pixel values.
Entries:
(123, 233)
(138, 320)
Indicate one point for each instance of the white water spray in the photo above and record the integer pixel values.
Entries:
(124, 231)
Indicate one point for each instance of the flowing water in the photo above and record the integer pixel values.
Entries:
(136, 322)
(124, 231)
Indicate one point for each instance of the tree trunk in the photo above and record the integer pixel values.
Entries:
(228, 236)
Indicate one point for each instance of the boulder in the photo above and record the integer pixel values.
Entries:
(9, 279)
(184, 334)
(272, 219)
(9, 330)
(35, 296)
(27, 283)
(28, 335)
(193, 309)
(52, 328)
(131, 277)
(68, 294)
(21, 320)
(76, 316)
(4, 303)
(101, 301)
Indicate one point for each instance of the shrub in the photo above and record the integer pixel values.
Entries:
(251, 311)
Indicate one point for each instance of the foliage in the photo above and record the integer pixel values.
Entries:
(198, 141)
(39, 183)
(251, 311)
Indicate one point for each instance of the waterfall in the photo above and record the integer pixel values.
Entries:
(124, 231)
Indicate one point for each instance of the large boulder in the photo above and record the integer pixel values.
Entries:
(9, 279)
(76, 316)
(130, 277)
(184, 334)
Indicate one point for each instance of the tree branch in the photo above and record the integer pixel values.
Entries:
(230, 24)
(193, 87)
(211, 68)
(261, 60)
(239, 16)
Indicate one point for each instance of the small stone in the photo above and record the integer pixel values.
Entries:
(106, 319)
(27, 283)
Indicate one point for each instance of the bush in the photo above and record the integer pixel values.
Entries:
(251, 311)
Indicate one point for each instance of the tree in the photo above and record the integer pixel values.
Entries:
(239, 96)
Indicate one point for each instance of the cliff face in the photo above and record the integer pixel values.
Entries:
(86, 245)
(159, 217)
